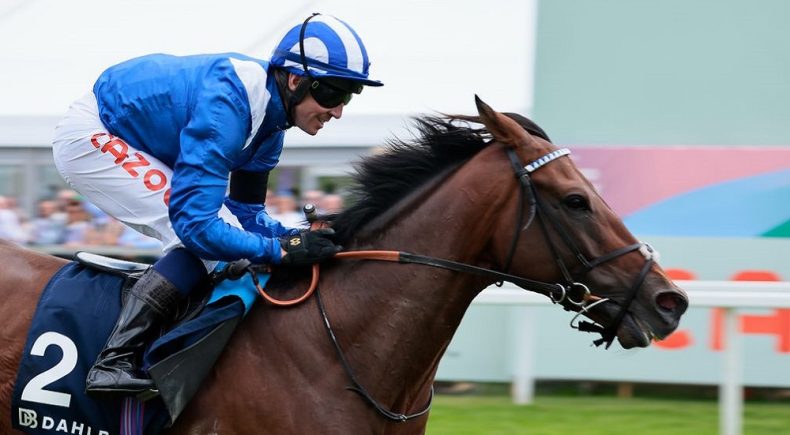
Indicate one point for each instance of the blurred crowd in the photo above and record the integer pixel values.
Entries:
(68, 219)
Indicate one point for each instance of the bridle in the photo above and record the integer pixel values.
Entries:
(572, 294)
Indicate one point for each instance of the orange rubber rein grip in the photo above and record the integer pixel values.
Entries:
(362, 255)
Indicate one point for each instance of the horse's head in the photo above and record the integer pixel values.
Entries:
(554, 227)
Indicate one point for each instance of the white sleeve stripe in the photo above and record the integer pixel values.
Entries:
(353, 51)
(253, 77)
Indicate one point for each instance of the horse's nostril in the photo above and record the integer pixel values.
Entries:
(671, 302)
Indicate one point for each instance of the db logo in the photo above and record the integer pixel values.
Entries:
(28, 418)
(296, 241)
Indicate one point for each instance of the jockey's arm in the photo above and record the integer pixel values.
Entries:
(253, 217)
(247, 199)
(210, 144)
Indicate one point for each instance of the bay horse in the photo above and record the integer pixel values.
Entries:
(464, 201)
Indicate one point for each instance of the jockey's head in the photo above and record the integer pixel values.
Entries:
(319, 65)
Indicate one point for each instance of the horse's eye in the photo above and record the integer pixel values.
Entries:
(576, 202)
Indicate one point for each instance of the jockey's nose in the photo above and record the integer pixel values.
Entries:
(337, 111)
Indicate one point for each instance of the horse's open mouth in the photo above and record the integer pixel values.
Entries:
(631, 333)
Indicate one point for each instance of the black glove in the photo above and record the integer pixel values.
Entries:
(309, 247)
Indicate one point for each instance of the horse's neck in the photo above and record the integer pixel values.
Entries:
(404, 316)
(394, 326)
(393, 321)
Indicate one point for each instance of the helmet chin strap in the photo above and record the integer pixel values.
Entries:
(297, 95)
(291, 98)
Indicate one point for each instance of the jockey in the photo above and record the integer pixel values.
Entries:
(161, 139)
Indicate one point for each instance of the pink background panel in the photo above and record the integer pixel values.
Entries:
(631, 178)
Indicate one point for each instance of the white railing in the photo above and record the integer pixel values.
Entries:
(728, 295)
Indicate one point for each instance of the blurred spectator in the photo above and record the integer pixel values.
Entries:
(98, 216)
(13, 205)
(49, 226)
(78, 221)
(331, 204)
(312, 197)
(103, 231)
(134, 239)
(69, 219)
(65, 195)
(10, 225)
(287, 212)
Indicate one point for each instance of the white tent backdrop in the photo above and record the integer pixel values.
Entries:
(432, 56)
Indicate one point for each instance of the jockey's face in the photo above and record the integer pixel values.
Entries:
(310, 116)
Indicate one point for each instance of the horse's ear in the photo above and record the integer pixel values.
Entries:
(503, 128)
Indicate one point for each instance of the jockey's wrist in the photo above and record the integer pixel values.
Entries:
(271, 252)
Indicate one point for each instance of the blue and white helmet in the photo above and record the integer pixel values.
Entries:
(327, 47)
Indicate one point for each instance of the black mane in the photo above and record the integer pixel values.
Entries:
(381, 180)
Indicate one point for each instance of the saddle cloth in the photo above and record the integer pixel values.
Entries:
(75, 315)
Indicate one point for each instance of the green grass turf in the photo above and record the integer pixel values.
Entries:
(594, 415)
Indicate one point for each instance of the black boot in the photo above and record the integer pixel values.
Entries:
(152, 300)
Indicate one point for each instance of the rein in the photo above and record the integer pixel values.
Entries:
(357, 387)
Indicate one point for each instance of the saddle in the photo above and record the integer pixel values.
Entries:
(131, 272)
(110, 265)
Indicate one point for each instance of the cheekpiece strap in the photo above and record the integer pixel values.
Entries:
(554, 155)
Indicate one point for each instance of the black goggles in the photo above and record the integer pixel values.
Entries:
(331, 93)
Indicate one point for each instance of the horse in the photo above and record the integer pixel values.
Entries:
(475, 205)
